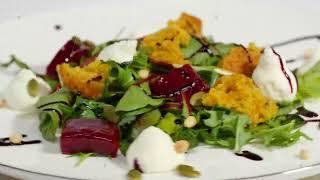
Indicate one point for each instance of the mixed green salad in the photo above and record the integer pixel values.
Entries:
(99, 99)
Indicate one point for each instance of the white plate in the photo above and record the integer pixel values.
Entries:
(35, 40)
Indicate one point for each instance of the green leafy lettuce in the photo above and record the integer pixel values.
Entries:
(84, 108)
(81, 157)
(193, 46)
(190, 135)
(167, 123)
(204, 59)
(228, 130)
(140, 60)
(135, 102)
(223, 49)
(309, 83)
(232, 130)
(281, 131)
(54, 110)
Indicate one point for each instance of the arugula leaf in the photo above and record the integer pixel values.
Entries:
(224, 49)
(228, 129)
(52, 82)
(146, 120)
(81, 157)
(85, 108)
(54, 110)
(207, 73)
(16, 61)
(136, 112)
(61, 96)
(140, 60)
(146, 88)
(126, 120)
(126, 139)
(212, 118)
(135, 99)
(109, 113)
(193, 46)
(286, 108)
(281, 131)
(242, 135)
(124, 146)
(204, 59)
(149, 119)
(190, 135)
(120, 77)
(168, 125)
(309, 83)
(125, 78)
(279, 136)
(209, 76)
(49, 123)
(97, 49)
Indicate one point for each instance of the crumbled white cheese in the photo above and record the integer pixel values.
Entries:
(270, 78)
(154, 151)
(119, 52)
(310, 60)
(19, 95)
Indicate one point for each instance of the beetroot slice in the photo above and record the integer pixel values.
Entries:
(72, 51)
(90, 135)
(176, 81)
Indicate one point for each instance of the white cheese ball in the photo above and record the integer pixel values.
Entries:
(119, 52)
(154, 152)
(270, 78)
(312, 60)
(20, 96)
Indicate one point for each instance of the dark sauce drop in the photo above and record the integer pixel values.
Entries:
(57, 27)
(178, 121)
(250, 155)
(5, 142)
(305, 112)
(137, 166)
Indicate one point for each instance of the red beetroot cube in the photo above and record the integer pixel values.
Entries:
(90, 135)
(72, 51)
(178, 80)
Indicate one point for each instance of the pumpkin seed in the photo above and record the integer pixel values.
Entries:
(134, 175)
(187, 171)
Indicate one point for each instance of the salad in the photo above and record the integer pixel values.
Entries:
(165, 93)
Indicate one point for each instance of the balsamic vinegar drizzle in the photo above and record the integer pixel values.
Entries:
(294, 40)
(249, 155)
(5, 142)
(305, 112)
(283, 70)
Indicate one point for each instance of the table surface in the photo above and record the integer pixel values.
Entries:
(12, 9)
